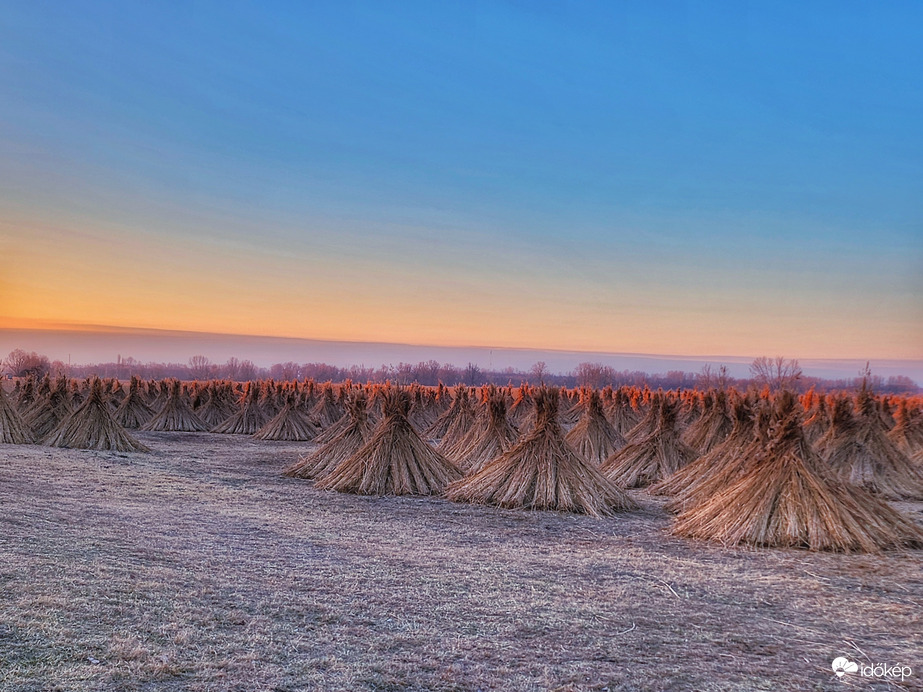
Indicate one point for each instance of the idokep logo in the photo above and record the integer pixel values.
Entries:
(842, 665)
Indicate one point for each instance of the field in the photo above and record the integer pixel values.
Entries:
(201, 567)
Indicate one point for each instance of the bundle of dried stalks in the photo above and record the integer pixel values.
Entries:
(491, 436)
(571, 407)
(25, 394)
(395, 460)
(885, 414)
(522, 411)
(714, 425)
(159, 393)
(422, 408)
(907, 432)
(92, 426)
(249, 416)
(42, 390)
(269, 399)
(621, 413)
(463, 419)
(542, 471)
(654, 457)
(785, 498)
(12, 428)
(176, 412)
(47, 412)
(858, 450)
(78, 392)
(133, 412)
(216, 404)
(460, 408)
(649, 415)
(593, 436)
(732, 466)
(351, 438)
(726, 459)
(818, 421)
(292, 423)
(693, 405)
(326, 412)
(116, 393)
(442, 400)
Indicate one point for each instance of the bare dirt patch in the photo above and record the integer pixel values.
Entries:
(201, 567)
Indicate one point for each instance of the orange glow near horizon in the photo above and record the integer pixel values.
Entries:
(69, 278)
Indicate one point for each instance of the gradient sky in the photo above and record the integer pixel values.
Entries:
(686, 178)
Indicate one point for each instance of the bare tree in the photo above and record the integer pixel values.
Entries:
(246, 371)
(776, 373)
(200, 367)
(231, 369)
(19, 363)
(538, 372)
(709, 378)
(472, 374)
(594, 375)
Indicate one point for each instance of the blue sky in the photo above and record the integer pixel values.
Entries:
(737, 178)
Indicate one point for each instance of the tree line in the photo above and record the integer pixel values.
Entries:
(774, 373)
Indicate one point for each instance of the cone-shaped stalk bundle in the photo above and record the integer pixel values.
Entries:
(490, 437)
(713, 427)
(350, 439)
(654, 457)
(395, 460)
(47, 413)
(176, 413)
(463, 419)
(12, 428)
(786, 498)
(593, 436)
(907, 432)
(542, 471)
(858, 449)
(92, 426)
(291, 423)
(133, 412)
(250, 416)
(730, 453)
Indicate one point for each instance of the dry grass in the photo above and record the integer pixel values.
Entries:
(201, 568)
(326, 412)
(713, 427)
(461, 421)
(460, 408)
(215, 407)
(907, 432)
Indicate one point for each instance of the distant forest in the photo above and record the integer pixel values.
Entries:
(772, 372)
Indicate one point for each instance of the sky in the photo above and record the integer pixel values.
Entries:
(692, 178)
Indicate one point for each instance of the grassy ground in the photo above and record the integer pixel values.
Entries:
(200, 567)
